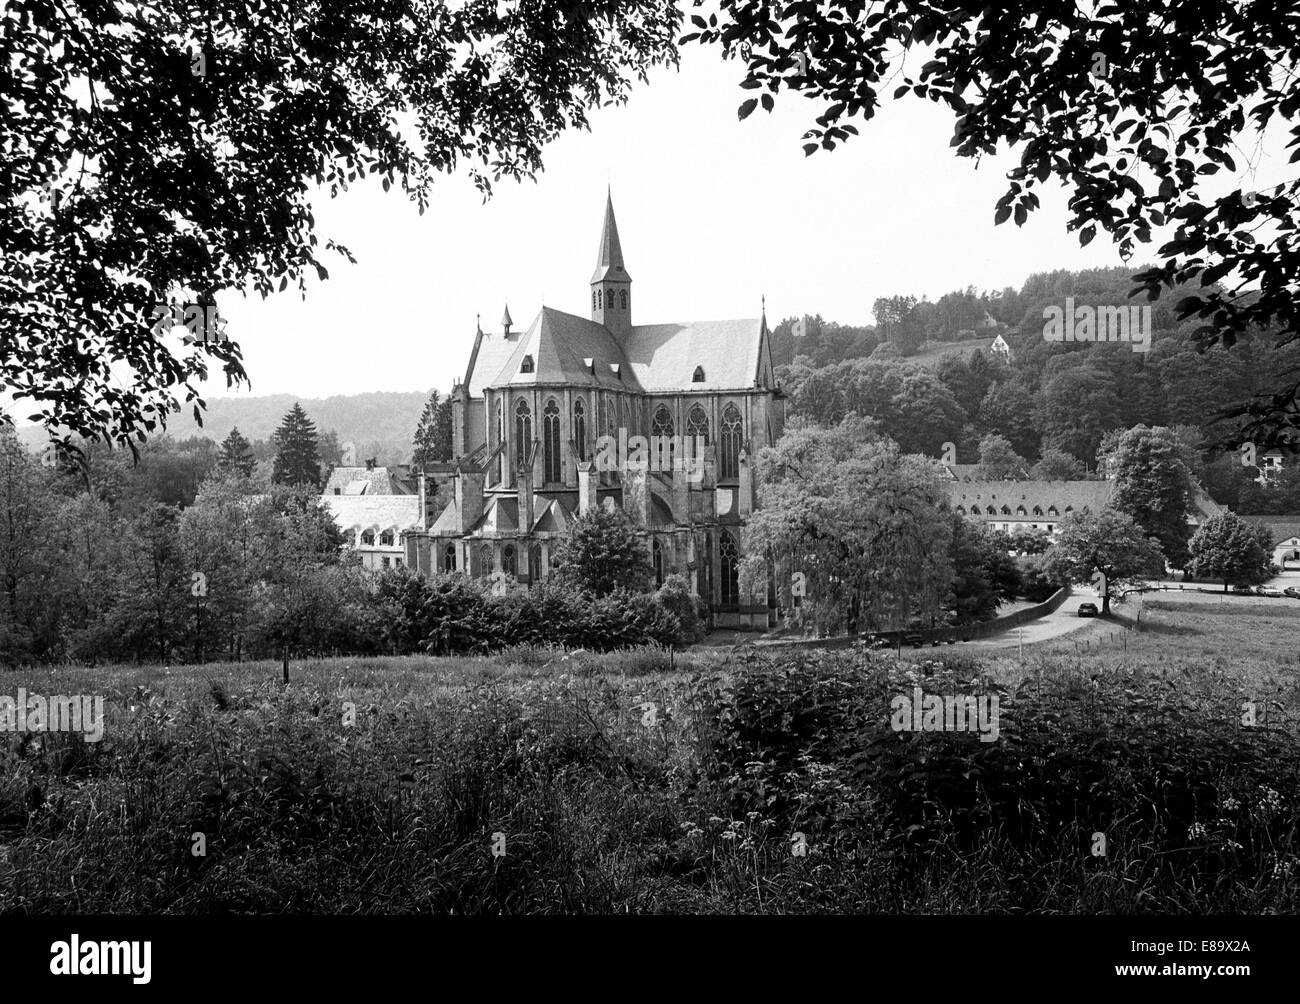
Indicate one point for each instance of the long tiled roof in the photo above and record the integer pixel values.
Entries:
(1281, 527)
(1074, 495)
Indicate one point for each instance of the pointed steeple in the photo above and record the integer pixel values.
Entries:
(609, 256)
(506, 321)
(611, 286)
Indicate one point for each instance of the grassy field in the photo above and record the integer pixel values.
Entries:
(720, 781)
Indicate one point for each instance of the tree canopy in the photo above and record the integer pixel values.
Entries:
(158, 154)
(1132, 107)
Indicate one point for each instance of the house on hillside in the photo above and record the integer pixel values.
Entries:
(1017, 506)
(1001, 348)
(538, 406)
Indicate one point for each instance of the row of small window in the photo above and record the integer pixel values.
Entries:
(697, 424)
(1020, 511)
(368, 538)
(600, 299)
(396, 562)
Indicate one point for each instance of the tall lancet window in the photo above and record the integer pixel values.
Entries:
(730, 562)
(732, 434)
(622, 299)
(551, 441)
(600, 298)
(662, 448)
(580, 428)
(523, 431)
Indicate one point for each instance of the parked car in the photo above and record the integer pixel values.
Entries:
(1267, 591)
(1291, 591)
(1240, 588)
(1087, 610)
(915, 640)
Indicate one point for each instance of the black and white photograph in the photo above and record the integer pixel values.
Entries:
(714, 459)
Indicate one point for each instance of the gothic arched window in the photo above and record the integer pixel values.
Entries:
(551, 441)
(732, 433)
(658, 552)
(730, 562)
(661, 431)
(698, 375)
(593, 299)
(600, 298)
(485, 559)
(508, 560)
(622, 299)
(523, 431)
(697, 424)
(535, 563)
(449, 558)
(580, 428)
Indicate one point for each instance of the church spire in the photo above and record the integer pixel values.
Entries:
(611, 286)
(609, 256)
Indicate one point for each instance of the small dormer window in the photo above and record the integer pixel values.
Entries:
(527, 365)
(590, 363)
(617, 370)
(698, 376)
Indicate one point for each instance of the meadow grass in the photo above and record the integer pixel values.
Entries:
(710, 781)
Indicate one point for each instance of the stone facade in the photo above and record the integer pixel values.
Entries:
(546, 420)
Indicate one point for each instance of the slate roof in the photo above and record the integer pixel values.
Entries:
(363, 481)
(560, 345)
(664, 356)
(1075, 495)
(573, 350)
(1281, 527)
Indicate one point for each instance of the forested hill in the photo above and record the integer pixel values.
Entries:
(380, 424)
(385, 417)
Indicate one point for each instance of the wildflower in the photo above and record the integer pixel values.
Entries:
(1196, 831)
(1230, 804)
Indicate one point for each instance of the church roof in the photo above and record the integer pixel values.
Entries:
(664, 356)
(560, 345)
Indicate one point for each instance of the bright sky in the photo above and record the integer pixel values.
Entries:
(713, 213)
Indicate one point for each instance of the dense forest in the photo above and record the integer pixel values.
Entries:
(1058, 398)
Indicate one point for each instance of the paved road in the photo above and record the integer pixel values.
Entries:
(1063, 620)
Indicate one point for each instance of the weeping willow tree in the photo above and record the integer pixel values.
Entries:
(867, 526)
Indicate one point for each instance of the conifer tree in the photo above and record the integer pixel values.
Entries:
(434, 433)
(236, 455)
(297, 460)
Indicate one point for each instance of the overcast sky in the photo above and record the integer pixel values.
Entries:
(713, 213)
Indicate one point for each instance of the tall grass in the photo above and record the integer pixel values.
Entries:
(648, 781)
